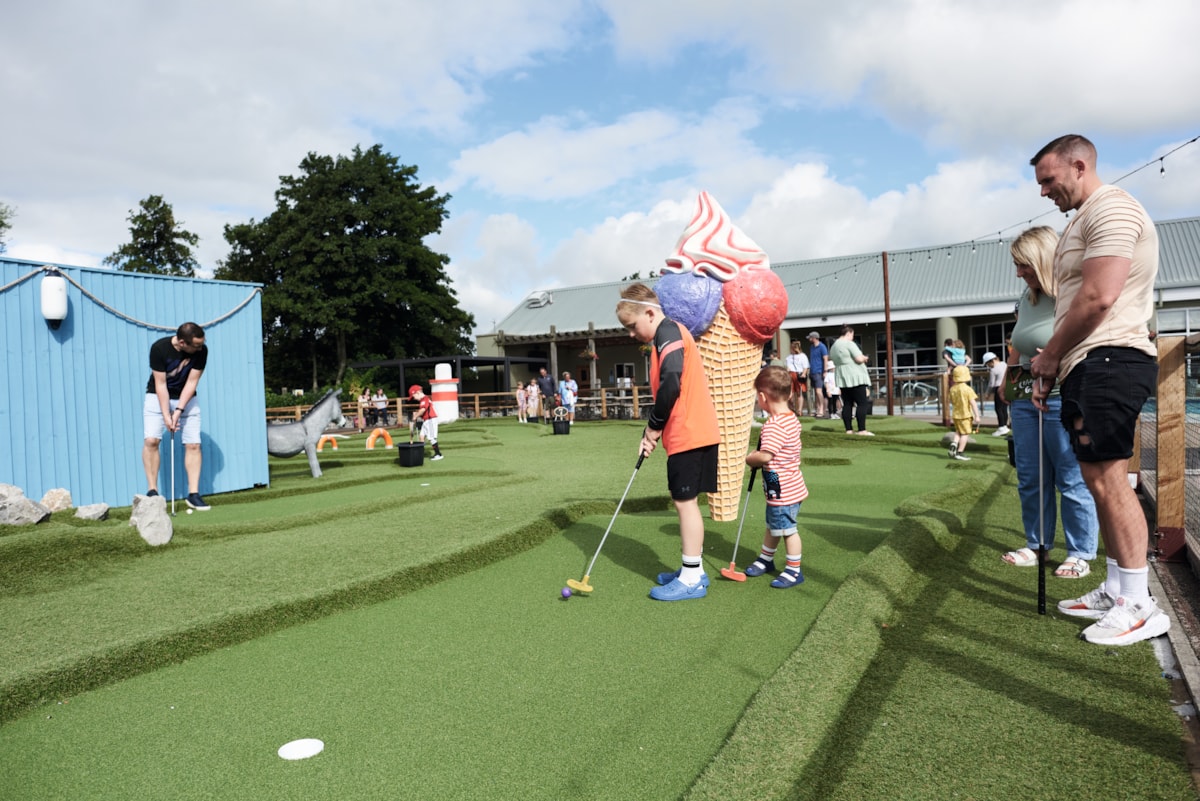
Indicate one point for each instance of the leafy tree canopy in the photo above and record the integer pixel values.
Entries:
(345, 272)
(157, 244)
(6, 215)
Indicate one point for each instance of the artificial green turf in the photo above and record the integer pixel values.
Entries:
(931, 676)
(475, 682)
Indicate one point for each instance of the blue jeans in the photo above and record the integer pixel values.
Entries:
(1060, 470)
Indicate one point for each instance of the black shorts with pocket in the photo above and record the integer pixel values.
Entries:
(1107, 390)
(690, 473)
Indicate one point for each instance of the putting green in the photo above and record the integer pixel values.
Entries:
(488, 685)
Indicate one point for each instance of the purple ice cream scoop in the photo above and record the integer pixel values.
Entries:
(690, 299)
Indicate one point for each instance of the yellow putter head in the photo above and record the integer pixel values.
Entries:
(580, 586)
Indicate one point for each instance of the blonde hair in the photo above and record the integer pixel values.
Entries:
(1035, 249)
(634, 296)
(774, 382)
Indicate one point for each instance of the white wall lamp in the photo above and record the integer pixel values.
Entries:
(54, 296)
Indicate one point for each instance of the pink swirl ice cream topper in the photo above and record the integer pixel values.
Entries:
(713, 245)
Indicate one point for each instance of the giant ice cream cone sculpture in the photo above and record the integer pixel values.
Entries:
(719, 285)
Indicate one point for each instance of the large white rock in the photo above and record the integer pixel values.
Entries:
(150, 516)
(17, 510)
(57, 499)
(93, 511)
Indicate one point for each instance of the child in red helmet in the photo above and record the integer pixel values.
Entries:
(426, 415)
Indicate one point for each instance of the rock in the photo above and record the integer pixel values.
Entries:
(93, 511)
(17, 510)
(57, 499)
(150, 516)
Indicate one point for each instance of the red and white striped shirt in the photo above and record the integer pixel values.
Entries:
(781, 437)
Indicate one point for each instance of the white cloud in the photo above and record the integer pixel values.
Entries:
(556, 157)
(208, 104)
(965, 73)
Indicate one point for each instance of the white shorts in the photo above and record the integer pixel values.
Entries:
(153, 425)
(429, 430)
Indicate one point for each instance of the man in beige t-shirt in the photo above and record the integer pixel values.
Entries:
(1105, 267)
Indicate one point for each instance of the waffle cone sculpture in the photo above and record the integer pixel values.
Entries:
(731, 363)
(719, 284)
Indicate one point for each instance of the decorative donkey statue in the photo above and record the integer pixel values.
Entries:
(288, 439)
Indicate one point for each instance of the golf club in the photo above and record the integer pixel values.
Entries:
(1041, 519)
(584, 585)
(731, 572)
(172, 474)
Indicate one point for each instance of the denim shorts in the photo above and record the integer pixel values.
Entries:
(1106, 391)
(153, 426)
(690, 473)
(781, 520)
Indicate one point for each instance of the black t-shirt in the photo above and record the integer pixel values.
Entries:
(165, 359)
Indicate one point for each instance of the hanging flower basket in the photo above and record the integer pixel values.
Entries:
(589, 354)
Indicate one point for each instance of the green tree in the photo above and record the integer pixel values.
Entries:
(345, 272)
(157, 243)
(6, 215)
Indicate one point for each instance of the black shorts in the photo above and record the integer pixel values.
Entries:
(1107, 390)
(690, 473)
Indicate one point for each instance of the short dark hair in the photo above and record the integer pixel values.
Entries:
(1066, 145)
(774, 382)
(189, 332)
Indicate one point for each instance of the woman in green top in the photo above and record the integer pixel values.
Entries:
(852, 379)
(1055, 467)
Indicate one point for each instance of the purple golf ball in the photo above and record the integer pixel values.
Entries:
(566, 593)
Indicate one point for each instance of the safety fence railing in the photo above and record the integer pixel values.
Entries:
(1166, 462)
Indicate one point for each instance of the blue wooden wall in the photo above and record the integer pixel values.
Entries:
(71, 399)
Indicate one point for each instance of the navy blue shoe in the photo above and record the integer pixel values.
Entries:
(194, 501)
(790, 577)
(758, 567)
(666, 578)
(678, 591)
(152, 494)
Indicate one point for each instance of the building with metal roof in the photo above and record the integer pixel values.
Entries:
(961, 291)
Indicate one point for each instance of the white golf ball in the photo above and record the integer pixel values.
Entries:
(190, 511)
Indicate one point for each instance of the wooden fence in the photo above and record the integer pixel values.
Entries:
(1166, 442)
(593, 404)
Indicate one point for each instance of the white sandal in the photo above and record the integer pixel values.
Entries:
(1073, 568)
(1022, 557)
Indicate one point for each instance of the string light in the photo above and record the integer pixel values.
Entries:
(999, 240)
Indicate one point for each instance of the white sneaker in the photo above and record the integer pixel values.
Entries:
(1001, 431)
(1128, 623)
(1093, 605)
(435, 458)
(962, 458)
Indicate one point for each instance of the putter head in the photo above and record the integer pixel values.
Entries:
(580, 586)
(732, 573)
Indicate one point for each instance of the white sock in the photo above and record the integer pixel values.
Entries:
(691, 571)
(1134, 583)
(1112, 580)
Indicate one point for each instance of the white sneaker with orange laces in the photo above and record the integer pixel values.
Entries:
(1128, 623)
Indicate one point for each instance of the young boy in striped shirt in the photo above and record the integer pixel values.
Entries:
(778, 456)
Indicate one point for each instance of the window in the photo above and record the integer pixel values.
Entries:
(990, 337)
(912, 351)
(624, 374)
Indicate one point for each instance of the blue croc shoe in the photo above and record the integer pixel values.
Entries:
(788, 578)
(666, 578)
(758, 567)
(678, 591)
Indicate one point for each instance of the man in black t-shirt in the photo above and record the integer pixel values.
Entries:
(548, 389)
(176, 364)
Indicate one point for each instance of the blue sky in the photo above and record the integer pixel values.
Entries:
(574, 135)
